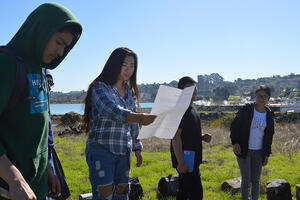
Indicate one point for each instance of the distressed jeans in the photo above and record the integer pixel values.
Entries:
(106, 168)
(250, 169)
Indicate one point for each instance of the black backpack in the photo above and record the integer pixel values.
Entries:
(20, 79)
(169, 185)
(136, 190)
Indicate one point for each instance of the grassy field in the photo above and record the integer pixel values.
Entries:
(284, 163)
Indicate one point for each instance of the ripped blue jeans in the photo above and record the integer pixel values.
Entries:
(106, 168)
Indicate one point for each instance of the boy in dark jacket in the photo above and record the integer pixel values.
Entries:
(188, 140)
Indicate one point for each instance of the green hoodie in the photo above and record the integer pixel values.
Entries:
(24, 129)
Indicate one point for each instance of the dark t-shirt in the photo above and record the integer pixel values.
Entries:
(191, 136)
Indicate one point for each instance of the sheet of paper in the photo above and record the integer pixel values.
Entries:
(169, 105)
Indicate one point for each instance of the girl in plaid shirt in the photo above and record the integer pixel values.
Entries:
(112, 124)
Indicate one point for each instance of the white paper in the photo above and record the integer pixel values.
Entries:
(169, 105)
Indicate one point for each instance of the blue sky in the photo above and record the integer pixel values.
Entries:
(244, 39)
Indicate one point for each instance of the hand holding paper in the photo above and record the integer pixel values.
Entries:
(170, 105)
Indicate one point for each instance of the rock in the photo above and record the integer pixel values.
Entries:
(76, 130)
(298, 191)
(88, 196)
(73, 131)
(65, 132)
(278, 189)
(233, 185)
(206, 160)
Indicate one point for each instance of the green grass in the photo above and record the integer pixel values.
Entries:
(221, 167)
(233, 98)
(71, 154)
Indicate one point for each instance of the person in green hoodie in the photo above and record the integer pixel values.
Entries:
(43, 41)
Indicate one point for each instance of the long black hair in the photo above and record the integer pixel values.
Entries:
(109, 76)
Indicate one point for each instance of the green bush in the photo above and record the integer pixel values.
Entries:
(224, 121)
(233, 98)
(70, 119)
(287, 116)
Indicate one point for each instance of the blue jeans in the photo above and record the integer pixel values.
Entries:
(106, 168)
(250, 169)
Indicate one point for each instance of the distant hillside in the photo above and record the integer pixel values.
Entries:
(209, 86)
(280, 86)
(70, 97)
(212, 85)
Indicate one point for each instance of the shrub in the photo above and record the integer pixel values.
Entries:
(287, 116)
(71, 120)
(230, 98)
(224, 121)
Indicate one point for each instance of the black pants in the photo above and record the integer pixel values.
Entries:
(190, 186)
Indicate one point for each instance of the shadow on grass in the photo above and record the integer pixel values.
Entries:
(159, 196)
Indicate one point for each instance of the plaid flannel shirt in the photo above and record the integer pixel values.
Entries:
(108, 126)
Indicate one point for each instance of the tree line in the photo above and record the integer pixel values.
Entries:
(210, 87)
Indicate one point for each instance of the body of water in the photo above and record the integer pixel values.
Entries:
(61, 109)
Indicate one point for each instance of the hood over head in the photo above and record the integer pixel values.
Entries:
(31, 39)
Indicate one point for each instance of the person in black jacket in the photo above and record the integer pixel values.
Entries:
(251, 136)
(186, 149)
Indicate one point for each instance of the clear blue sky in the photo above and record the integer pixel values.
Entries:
(238, 39)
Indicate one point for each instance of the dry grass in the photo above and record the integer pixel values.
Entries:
(58, 128)
(286, 139)
(219, 135)
(156, 144)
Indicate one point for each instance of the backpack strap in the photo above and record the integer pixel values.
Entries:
(18, 91)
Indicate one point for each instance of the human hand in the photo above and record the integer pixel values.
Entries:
(182, 168)
(53, 184)
(206, 137)
(237, 149)
(146, 119)
(20, 190)
(139, 158)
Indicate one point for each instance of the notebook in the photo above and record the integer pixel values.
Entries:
(189, 158)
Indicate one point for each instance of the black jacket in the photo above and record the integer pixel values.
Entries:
(240, 130)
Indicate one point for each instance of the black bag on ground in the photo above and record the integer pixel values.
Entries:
(136, 190)
(65, 192)
(169, 185)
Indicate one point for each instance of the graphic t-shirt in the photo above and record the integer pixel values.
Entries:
(258, 125)
(38, 93)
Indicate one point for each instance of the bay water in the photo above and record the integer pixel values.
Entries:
(61, 109)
